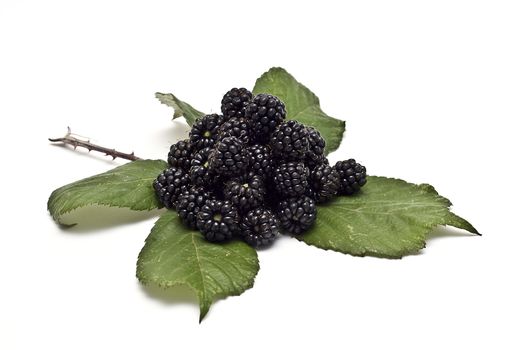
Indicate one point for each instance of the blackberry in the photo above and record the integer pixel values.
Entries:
(238, 127)
(259, 227)
(169, 185)
(199, 172)
(180, 155)
(245, 192)
(204, 132)
(315, 155)
(296, 215)
(265, 113)
(235, 101)
(290, 141)
(353, 176)
(260, 160)
(290, 179)
(217, 220)
(229, 157)
(324, 182)
(190, 202)
(319, 161)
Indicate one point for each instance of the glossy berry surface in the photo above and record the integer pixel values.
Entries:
(169, 185)
(290, 141)
(229, 158)
(204, 132)
(235, 101)
(245, 192)
(259, 227)
(265, 113)
(199, 172)
(291, 179)
(324, 183)
(260, 160)
(180, 155)
(296, 215)
(353, 176)
(189, 204)
(237, 127)
(218, 220)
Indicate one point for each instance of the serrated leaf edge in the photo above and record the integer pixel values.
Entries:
(329, 149)
(170, 100)
(57, 217)
(467, 226)
(203, 301)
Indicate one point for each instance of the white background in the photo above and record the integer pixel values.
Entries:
(431, 91)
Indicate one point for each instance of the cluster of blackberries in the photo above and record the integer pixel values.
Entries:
(249, 173)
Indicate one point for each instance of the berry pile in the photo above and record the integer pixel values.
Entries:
(249, 173)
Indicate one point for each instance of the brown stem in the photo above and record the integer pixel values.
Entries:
(69, 139)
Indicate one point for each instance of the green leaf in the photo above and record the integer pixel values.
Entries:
(301, 104)
(180, 108)
(388, 218)
(127, 186)
(175, 255)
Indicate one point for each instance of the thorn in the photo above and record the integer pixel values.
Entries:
(71, 140)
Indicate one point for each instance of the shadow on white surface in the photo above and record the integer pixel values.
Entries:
(94, 219)
(173, 295)
(442, 232)
(178, 130)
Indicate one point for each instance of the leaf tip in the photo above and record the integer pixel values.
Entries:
(205, 305)
(473, 230)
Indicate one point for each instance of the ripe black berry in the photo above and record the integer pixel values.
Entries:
(260, 160)
(204, 132)
(315, 155)
(265, 113)
(245, 192)
(237, 127)
(199, 172)
(190, 202)
(235, 101)
(353, 176)
(319, 161)
(296, 215)
(229, 157)
(290, 179)
(169, 185)
(251, 173)
(290, 141)
(325, 182)
(180, 155)
(259, 227)
(218, 220)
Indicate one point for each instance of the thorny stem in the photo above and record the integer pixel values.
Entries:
(69, 139)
